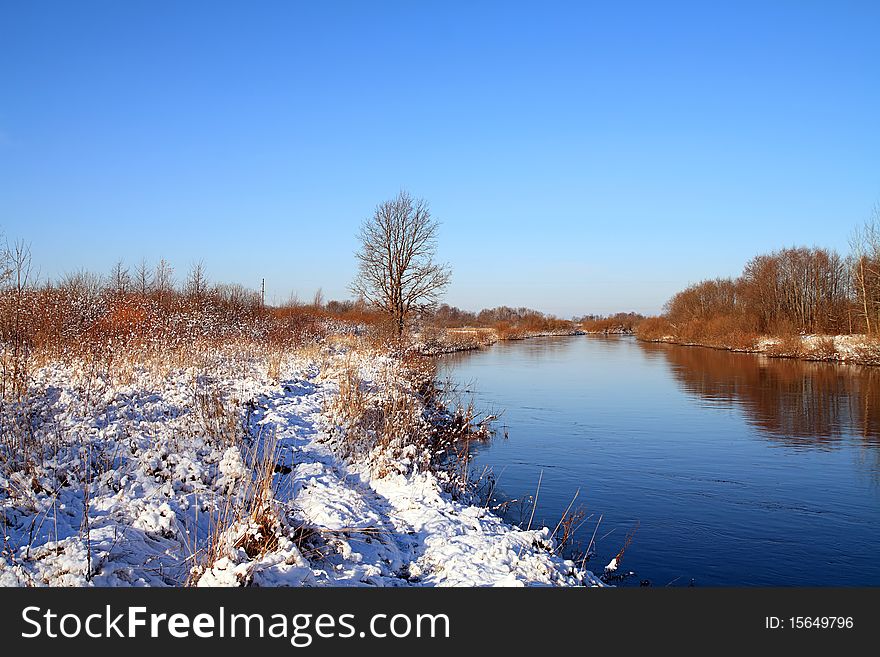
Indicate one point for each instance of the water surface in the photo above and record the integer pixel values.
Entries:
(737, 469)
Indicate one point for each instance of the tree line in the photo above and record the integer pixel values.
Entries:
(797, 290)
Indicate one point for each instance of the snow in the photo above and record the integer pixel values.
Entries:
(130, 481)
(855, 349)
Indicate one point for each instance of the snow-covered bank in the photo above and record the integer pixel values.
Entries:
(853, 349)
(220, 474)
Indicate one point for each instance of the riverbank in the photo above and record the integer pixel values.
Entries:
(435, 342)
(304, 468)
(853, 349)
(611, 331)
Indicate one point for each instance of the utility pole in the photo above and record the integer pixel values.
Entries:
(263, 294)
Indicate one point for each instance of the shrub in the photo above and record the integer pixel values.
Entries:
(786, 346)
(867, 351)
(654, 328)
(821, 348)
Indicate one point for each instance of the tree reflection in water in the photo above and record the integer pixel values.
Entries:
(797, 402)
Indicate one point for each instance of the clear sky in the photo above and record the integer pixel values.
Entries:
(582, 157)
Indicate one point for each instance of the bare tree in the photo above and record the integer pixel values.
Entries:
(196, 285)
(865, 268)
(804, 289)
(237, 296)
(15, 329)
(82, 284)
(5, 262)
(163, 280)
(318, 299)
(120, 279)
(396, 268)
(143, 278)
(20, 271)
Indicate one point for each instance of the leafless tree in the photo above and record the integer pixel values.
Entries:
(16, 271)
(318, 299)
(801, 288)
(83, 284)
(197, 282)
(5, 262)
(396, 268)
(865, 268)
(120, 279)
(143, 278)
(163, 279)
(21, 272)
(237, 296)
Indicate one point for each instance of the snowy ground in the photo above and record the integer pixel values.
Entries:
(143, 482)
(855, 349)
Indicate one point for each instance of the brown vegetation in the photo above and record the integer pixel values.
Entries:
(100, 321)
(781, 296)
(504, 322)
(404, 421)
(620, 323)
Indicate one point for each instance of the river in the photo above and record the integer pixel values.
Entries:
(726, 469)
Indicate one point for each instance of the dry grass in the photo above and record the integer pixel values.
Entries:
(786, 346)
(438, 340)
(249, 518)
(384, 419)
(821, 348)
(217, 416)
(275, 358)
(402, 420)
(866, 351)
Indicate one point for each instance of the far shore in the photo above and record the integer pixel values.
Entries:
(454, 340)
(851, 349)
(855, 349)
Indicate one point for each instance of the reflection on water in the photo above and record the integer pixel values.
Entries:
(796, 402)
(739, 469)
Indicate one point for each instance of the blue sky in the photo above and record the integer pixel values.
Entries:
(582, 157)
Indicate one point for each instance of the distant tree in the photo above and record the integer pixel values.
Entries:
(19, 266)
(237, 296)
(318, 299)
(15, 328)
(703, 301)
(196, 285)
(336, 307)
(449, 316)
(120, 279)
(83, 284)
(143, 278)
(5, 261)
(163, 280)
(396, 268)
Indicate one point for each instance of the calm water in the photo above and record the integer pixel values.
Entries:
(739, 469)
